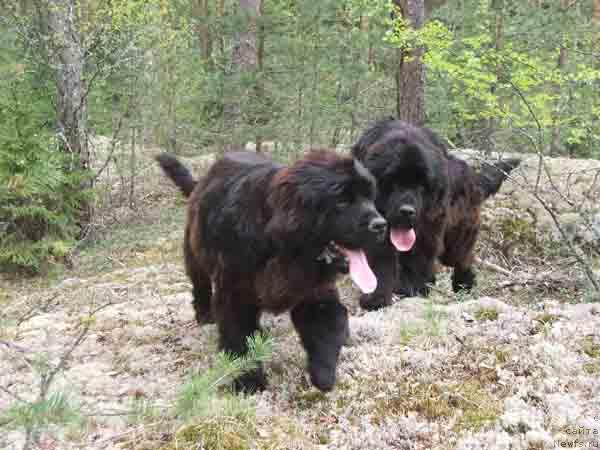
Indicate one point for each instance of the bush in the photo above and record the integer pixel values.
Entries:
(39, 193)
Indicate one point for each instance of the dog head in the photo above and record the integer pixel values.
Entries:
(411, 172)
(325, 198)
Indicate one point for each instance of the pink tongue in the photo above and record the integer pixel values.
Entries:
(360, 271)
(403, 240)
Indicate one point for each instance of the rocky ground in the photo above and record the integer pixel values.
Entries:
(513, 365)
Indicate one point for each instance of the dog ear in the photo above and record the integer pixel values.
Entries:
(299, 208)
(283, 226)
(493, 174)
(292, 223)
(437, 177)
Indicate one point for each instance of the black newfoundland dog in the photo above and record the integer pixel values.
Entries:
(265, 237)
(432, 202)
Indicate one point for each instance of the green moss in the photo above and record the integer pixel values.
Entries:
(309, 398)
(479, 407)
(502, 356)
(218, 434)
(591, 348)
(408, 331)
(323, 438)
(547, 318)
(518, 231)
(426, 399)
(486, 314)
(591, 368)
(472, 405)
(3, 297)
(435, 320)
(543, 321)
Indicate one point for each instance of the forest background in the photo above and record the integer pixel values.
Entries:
(200, 76)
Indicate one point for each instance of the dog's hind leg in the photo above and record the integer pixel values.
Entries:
(201, 287)
(202, 301)
(238, 318)
(460, 254)
(463, 276)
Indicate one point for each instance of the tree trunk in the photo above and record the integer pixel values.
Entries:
(555, 144)
(220, 17)
(71, 102)
(244, 59)
(201, 12)
(596, 20)
(259, 88)
(68, 56)
(497, 7)
(410, 76)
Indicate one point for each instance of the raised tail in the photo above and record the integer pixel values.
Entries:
(177, 172)
(492, 175)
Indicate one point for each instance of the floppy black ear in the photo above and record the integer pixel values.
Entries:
(283, 226)
(292, 225)
(370, 136)
(492, 175)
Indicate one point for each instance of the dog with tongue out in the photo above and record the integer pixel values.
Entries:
(431, 201)
(264, 237)
(412, 195)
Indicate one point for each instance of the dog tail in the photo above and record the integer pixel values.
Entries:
(493, 174)
(177, 172)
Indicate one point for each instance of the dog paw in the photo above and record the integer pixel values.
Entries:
(371, 302)
(250, 382)
(463, 280)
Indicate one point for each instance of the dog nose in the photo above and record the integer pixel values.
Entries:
(408, 211)
(378, 225)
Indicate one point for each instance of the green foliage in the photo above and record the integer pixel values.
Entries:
(142, 410)
(328, 69)
(39, 195)
(217, 434)
(591, 348)
(54, 410)
(494, 71)
(198, 398)
(486, 314)
(435, 319)
(543, 323)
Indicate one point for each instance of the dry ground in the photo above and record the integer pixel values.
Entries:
(514, 365)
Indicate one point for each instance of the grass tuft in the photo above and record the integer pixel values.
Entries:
(486, 314)
(197, 397)
(543, 322)
(219, 433)
(591, 348)
(469, 402)
(54, 410)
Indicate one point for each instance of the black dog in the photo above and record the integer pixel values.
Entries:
(266, 236)
(432, 203)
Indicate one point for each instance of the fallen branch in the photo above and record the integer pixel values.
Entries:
(493, 267)
(545, 278)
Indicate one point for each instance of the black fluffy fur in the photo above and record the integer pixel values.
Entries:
(415, 172)
(260, 234)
